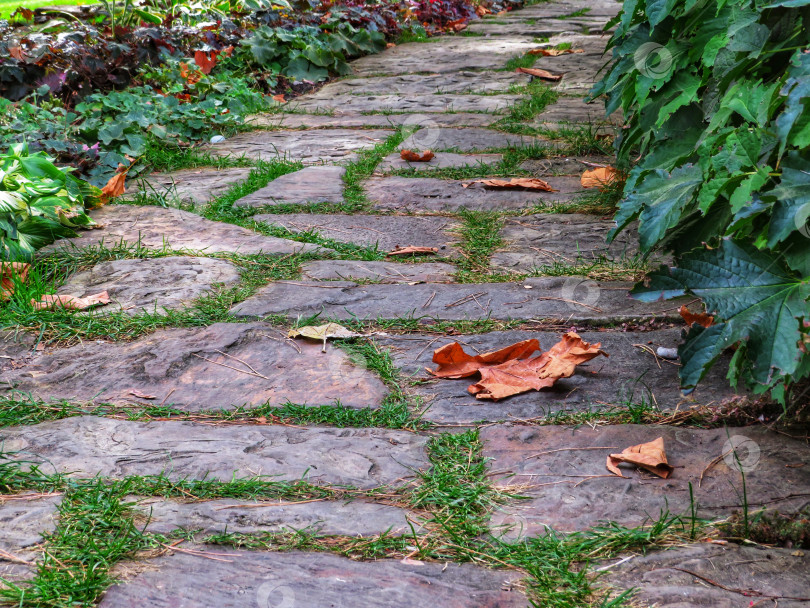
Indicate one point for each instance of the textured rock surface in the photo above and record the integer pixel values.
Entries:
(186, 368)
(293, 579)
(356, 518)
(629, 375)
(573, 110)
(87, 446)
(354, 121)
(152, 285)
(309, 147)
(414, 195)
(156, 228)
(442, 160)
(356, 104)
(24, 519)
(384, 272)
(309, 185)
(570, 298)
(196, 186)
(464, 82)
(660, 580)
(384, 232)
(466, 140)
(569, 487)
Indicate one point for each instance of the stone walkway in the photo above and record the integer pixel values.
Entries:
(280, 474)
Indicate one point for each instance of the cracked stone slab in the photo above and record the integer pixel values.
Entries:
(186, 368)
(87, 446)
(629, 375)
(570, 489)
(195, 186)
(309, 147)
(464, 82)
(357, 518)
(571, 298)
(562, 8)
(580, 70)
(467, 140)
(157, 227)
(384, 272)
(432, 103)
(455, 54)
(415, 195)
(534, 241)
(442, 160)
(659, 578)
(572, 110)
(565, 165)
(539, 29)
(384, 232)
(24, 520)
(151, 285)
(322, 184)
(353, 121)
(249, 579)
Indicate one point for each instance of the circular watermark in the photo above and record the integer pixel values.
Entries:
(652, 60)
(579, 293)
(509, 526)
(427, 132)
(271, 594)
(345, 365)
(741, 453)
(802, 220)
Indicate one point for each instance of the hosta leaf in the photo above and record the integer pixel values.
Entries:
(12, 201)
(301, 69)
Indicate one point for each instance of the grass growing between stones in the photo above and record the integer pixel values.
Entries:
(480, 237)
(161, 157)
(358, 171)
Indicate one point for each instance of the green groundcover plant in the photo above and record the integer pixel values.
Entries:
(716, 145)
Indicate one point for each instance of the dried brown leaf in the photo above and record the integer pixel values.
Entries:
(413, 249)
(701, 318)
(51, 302)
(649, 456)
(554, 52)
(136, 393)
(542, 74)
(600, 177)
(205, 61)
(416, 157)
(522, 183)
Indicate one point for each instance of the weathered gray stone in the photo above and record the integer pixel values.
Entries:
(195, 186)
(535, 241)
(351, 518)
(540, 29)
(186, 368)
(413, 195)
(87, 446)
(384, 272)
(251, 579)
(354, 104)
(630, 375)
(467, 140)
(572, 110)
(24, 519)
(571, 298)
(445, 55)
(580, 70)
(756, 572)
(442, 160)
(151, 285)
(385, 232)
(309, 185)
(16, 344)
(156, 228)
(564, 8)
(569, 487)
(309, 147)
(353, 121)
(459, 83)
(565, 165)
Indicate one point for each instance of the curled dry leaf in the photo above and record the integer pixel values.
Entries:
(279, 98)
(554, 52)
(542, 74)
(649, 456)
(701, 318)
(114, 187)
(509, 371)
(414, 250)
(457, 25)
(322, 332)
(140, 395)
(51, 302)
(205, 61)
(416, 157)
(9, 270)
(482, 10)
(599, 177)
(527, 183)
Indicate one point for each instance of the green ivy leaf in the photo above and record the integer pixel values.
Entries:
(664, 197)
(792, 209)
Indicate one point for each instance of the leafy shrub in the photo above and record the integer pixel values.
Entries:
(39, 203)
(716, 99)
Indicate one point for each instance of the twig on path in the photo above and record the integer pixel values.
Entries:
(167, 396)
(429, 300)
(246, 364)
(744, 592)
(13, 558)
(608, 447)
(571, 302)
(230, 367)
(200, 553)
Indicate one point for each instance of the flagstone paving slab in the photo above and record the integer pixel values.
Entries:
(415, 195)
(353, 104)
(573, 299)
(565, 165)
(353, 121)
(539, 29)
(152, 285)
(535, 241)
(194, 186)
(569, 487)
(563, 8)
(24, 520)
(309, 147)
(628, 375)
(356, 518)
(249, 579)
(464, 82)
(187, 369)
(567, 110)
(384, 272)
(384, 232)
(158, 227)
(755, 571)
(448, 55)
(322, 184)
(86, 446)
(580, 70)
(467, 140)
(442, 160)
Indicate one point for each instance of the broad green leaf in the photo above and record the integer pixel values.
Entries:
(792, 209)
(664, 198)
(301, 69)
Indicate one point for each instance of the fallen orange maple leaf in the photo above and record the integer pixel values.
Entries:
(600, 177)
(701, 318)
(529, 183)
(509, 371)
(8, 270)
(48, 302)
(205, 61)
(415, 157)
(649, 456)
(542, 74)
